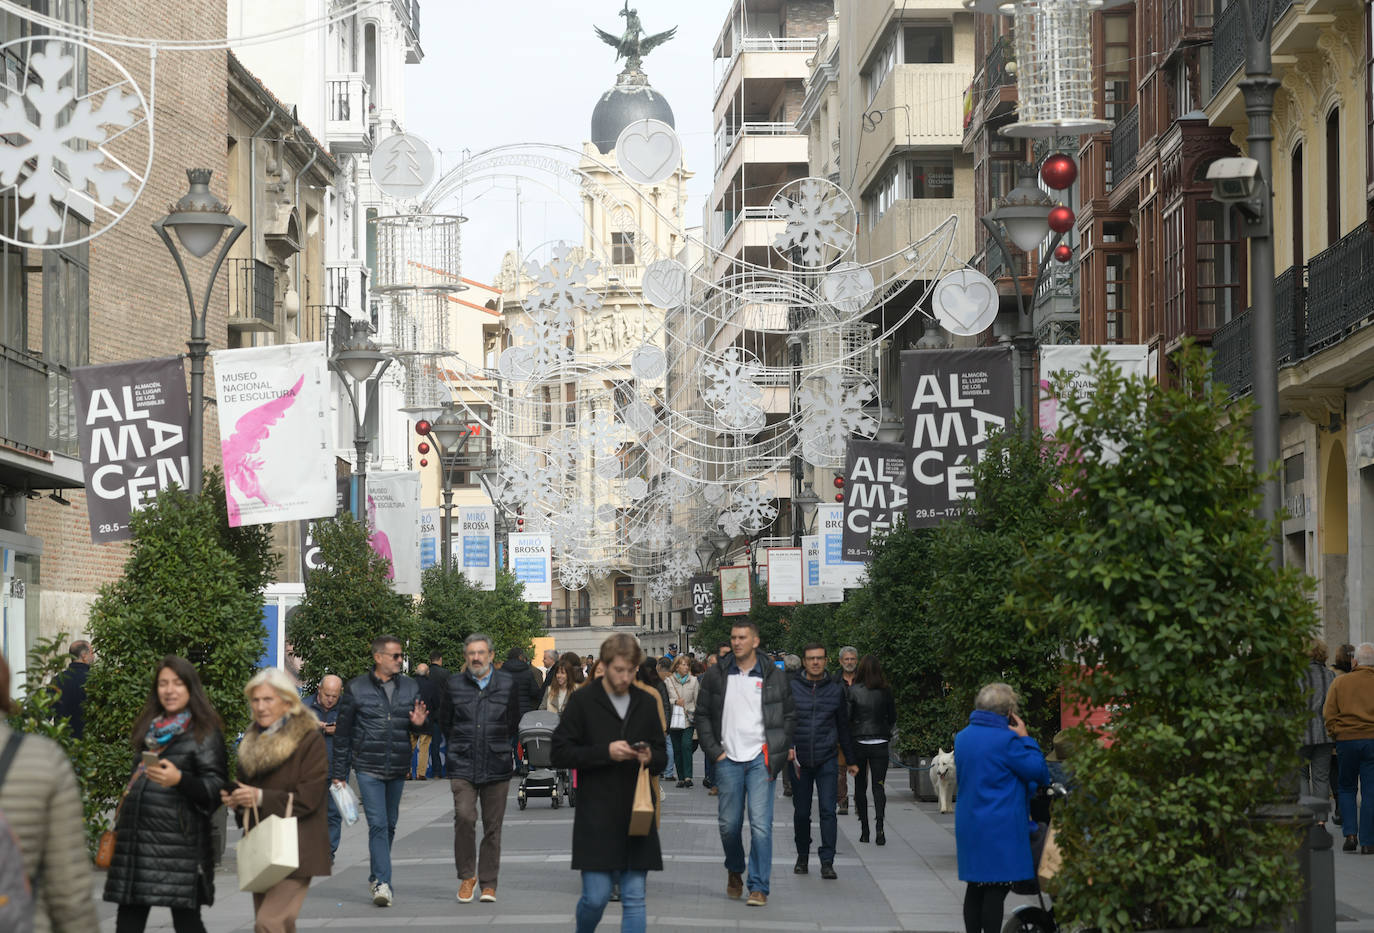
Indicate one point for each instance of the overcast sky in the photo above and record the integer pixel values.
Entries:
(500, 72)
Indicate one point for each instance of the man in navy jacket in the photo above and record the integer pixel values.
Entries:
(822, 729)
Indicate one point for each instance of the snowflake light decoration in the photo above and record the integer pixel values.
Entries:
(601, 434)
(678, 569)
(552, 306)
(830, 412)
(63, 158)
(819, 222)
(731, 522)
(728, 387)
(755, 507)
(660, 590)
(526, 481)
(572, 574)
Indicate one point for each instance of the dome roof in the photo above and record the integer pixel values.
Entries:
(623, 105)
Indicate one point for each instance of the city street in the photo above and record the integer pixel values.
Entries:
(910, 884)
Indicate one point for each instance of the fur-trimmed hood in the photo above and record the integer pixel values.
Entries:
(261, 752)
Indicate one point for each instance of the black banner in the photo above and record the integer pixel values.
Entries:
(953, 399)
(874, 493)
(703, 596)
(134, 421)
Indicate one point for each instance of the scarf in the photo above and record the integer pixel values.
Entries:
(163, 730)
(682, 678)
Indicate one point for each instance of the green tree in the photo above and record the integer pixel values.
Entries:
(773, 622)
(191, 587)
(451, 609)
(348, 602)
(1160, 575)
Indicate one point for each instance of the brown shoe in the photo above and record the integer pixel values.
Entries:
(734, 886)
(757, 899)
(466, 890)
(488, 895)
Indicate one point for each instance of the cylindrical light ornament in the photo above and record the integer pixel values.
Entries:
(1061, 219)
(1062, 253)
(1054, 86)
(1059, 172)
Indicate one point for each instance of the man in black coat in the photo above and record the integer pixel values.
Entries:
(608, 731)
(378, 713)
(440, 675)
(479, 711)
(429, 695)
(71, 688)
(822, 725)
(529, 684)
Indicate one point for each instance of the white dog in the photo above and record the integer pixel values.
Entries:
(943, 777)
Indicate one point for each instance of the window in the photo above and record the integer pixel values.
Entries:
(1219, 248)
(928, 44)
(1333, 175)
(883, 63)
(881, 196)
(1118, 306)
(1296, 206)
(66, 300)
(624, 601)
(929, 178)
(622, 248)
(1116, 65)
(14, 293)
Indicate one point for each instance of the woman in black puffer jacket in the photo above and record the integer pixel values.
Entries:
(162, 855)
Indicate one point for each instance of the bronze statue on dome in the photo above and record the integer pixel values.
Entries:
(633, 45)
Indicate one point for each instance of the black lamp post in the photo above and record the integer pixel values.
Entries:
(360, 363)
(450, 435)
(199, 220)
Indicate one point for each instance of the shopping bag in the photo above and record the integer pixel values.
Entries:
(679, 720)
(345, 802)
(1050, 858)
(642, 813)
(269, 851)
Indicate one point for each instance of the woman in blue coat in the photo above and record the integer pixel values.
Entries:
(997, 766)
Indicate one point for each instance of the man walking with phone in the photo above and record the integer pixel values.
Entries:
(325, 705)
(746, 716)
(822, 726)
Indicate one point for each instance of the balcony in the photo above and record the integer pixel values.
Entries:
(346, 287)
(1125, 145)
(1187, 22)
(910, 219)
(252, 296)
(774, 63)
(348, 101)
(37, 413)
(1228, 46)
(726, 139)
(408, 14)
(753, 227)
(995, 76)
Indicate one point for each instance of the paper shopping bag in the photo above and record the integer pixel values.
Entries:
(268, 852)
(642, 813)
(1050, 858)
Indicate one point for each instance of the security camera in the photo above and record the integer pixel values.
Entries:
(1238, 182)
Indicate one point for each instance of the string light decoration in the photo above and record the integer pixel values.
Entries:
(1054, 88)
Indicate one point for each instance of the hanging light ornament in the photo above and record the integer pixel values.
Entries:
(1058, 171)
(1061, 219)
(1063, 253)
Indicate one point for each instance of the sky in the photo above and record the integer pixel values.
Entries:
(500, 72)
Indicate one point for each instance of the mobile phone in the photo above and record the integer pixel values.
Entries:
(638, 745)
(150, 759)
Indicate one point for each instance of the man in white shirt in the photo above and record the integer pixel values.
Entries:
(746, 716)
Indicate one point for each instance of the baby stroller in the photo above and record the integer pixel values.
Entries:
(540, 778)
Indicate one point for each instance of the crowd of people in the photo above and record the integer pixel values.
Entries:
(622, 718)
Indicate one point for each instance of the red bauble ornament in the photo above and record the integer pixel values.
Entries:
(422, 427)
(1063, 253)
(1059, 171)
(839, 497)
(423, 448)
(424, 462)
(1061, 219)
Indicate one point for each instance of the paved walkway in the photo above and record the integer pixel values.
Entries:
(910, 884)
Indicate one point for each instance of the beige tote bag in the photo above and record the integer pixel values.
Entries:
(269, 852)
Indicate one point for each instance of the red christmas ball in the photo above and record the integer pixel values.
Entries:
(424, 462)
(1059, 171)
(423, 448)
(422, 427)
(839, 497)
(1061, 219)
(1063, 253)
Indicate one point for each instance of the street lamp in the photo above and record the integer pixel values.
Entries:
(359, 362)
(450, 435)
(199, 220)
(1024, 214)
(706, 552)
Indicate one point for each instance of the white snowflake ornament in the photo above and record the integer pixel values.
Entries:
(831, 409)
(728, 387)
(660, 590)
(820, 222)
(755, 507)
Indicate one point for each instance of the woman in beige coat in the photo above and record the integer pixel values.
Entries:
(42, 805)
(682, 692)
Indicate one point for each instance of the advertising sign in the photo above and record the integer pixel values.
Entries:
(812, 590)
(531, 559)
(736, 595)
(273, 405)
(703, 596)
(393, 515)
(953, 400)
(784, 576)
(1057, 362)
(874, 494)
(310, 549)
(474, 545)
(430, 538)
(835, 570)
(133, 422)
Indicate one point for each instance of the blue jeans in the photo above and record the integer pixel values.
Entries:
(741, 782)
(708, 771)
(822, 778)
(1356, 760)
(596, 893)
(335, 825)
(670, 772)
(382, 807)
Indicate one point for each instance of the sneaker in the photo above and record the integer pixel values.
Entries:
(828, 871)
(757, 899)
(615, 893)
(466, 890)
(842, 810)
(787, 791)
(381, 894)
(689, 782)
(734, 885)
(488, 895)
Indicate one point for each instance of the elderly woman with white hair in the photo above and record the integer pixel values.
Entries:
(282, 759)
(998, 767)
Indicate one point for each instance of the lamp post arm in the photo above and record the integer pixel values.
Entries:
(235, 232)
(161, 229)
(995, 232)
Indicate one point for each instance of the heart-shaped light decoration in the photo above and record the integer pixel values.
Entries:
(648, 151)
(965, 302)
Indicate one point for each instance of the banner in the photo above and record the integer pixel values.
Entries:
(274, 433)
(835, 570)
(812, 590)
(953, 400)
(1073, 361)
(310, 551)
(474, 545)
(430, 538)
(393, 515)
(784, 576)
(736, 594)
(703, 596)
(531, 558)
(133, 420)
(874, 493)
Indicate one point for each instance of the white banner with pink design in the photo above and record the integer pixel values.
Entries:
(273, 405)
(393, 520)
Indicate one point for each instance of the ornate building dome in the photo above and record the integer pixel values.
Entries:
(624, 104)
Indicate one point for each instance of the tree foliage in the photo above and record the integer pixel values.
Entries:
(192, 587)
(451, 609)
(1160, 576)
(348, 602)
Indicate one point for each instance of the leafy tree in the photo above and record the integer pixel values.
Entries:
(1160, 574)
(818, 622)
(348, 602)
(451, 609)
(191, 587)
(773, 622)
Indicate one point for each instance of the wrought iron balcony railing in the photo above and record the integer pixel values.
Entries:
(1125, 145)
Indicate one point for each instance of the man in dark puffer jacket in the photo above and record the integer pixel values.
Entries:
(377, 715)
(822, 725)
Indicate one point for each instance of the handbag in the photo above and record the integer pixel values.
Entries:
(679, 720)
(642, 812)
(269, 852)
(104, 853)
